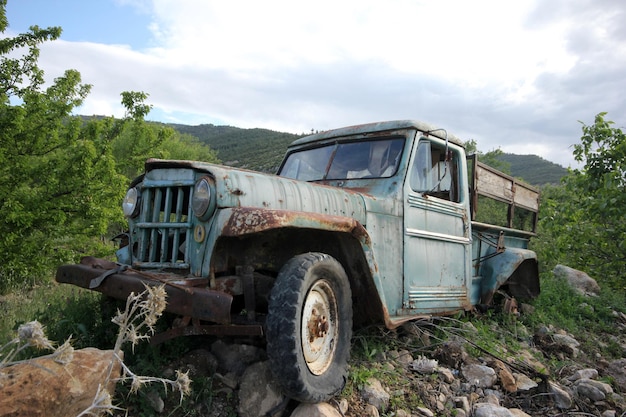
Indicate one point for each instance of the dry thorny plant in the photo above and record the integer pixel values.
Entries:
(136, 323)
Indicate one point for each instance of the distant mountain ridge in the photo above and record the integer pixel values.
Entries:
(533, 169)
(263, 150)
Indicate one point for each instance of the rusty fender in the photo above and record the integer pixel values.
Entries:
(514, 266)
(245, 220)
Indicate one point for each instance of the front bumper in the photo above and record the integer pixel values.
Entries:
(187, 297)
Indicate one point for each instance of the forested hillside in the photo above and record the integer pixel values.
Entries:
(533, 169)
(263, 150)
(257, 149)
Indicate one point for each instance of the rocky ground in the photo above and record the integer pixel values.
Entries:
(420, 373)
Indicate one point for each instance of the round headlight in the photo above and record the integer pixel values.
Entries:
(130, 205)
(201, 200)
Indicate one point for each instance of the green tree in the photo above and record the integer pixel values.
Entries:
(48, 162)
(584, 220)
(62, 177)
(58, 178)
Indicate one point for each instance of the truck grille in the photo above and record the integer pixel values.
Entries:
(163, 231)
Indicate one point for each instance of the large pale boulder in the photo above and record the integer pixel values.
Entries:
(578, 280)
(43, 387)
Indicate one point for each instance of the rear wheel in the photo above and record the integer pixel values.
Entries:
(309, 326)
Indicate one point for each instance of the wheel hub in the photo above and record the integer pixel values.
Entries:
(319, 328)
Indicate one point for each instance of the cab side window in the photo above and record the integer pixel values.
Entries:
(434, 173)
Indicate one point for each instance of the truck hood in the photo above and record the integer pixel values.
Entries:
(236, 187)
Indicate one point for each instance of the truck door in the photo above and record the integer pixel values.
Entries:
(437, 245)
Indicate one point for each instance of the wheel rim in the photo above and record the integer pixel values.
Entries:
(319, 327)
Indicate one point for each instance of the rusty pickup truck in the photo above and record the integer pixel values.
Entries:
(369, 223)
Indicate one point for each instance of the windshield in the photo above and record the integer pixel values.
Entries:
(343, 161)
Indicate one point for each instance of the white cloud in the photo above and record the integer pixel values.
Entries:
(512, 75)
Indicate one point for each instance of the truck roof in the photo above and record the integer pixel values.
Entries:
(379, 127)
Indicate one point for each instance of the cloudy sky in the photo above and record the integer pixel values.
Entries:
(519, 76)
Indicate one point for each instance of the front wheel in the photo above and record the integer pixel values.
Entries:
(309, 326)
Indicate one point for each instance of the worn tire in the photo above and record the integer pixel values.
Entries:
(309, 327)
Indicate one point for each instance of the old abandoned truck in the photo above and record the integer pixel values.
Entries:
(368, 223)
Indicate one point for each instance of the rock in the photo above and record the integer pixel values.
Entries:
(446, 374)
(518, 413)
(561, 397)
(617, 371)
(459, 412)
(229, 380)
(424, 365)
(199, 362)
(490, 410)
(609, 413)
(43, 387)
(529, 359)
(425, 412)
(585, 390)
(588, 373)
(479, 375)
(371, 411)
(236, 357)
(155, 401)
(402, 413)
(504, 375)
(578, 280)
(603, 387)
(258, 394)
(451, 354)
(343, 406)
(523, 382)
(402, 357)
(315, 410)
(462, 403)
(565, 339)
(373, 393)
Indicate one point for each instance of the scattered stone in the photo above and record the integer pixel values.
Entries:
(617, 370)
(229, 380)
(479, 375)
(518, 413)
(561, 398)
(447, 374)
(343, 406)
(529, 359)
(402, 357)
(585, 390)
(578, 280)
(462, 403)
(524, 383)
(424, 365)
(492, 399)
(604, 388)
(425, 412)
(315, 410)
(588, 373)
(402, 413)
(490, 410)
(258, 393)
(371, 411)
(199, 362)
(155, 401)
(504, 375)
(609, 413)
(451, 354)
(568, 341)
(43, 387)
(373, 393)
(236, 357)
